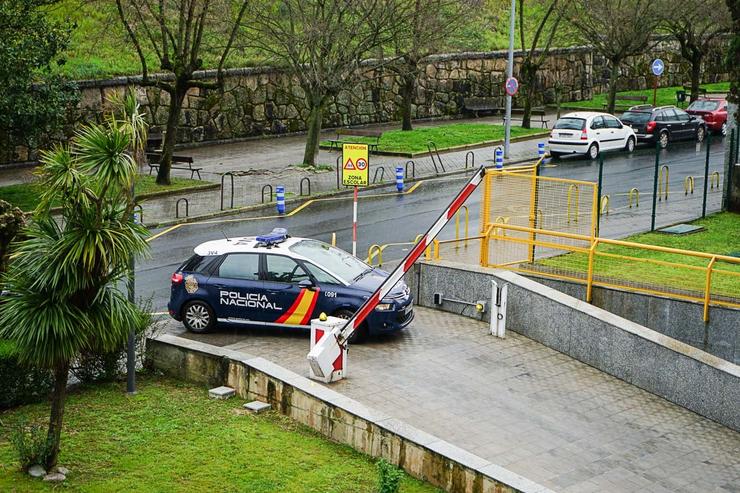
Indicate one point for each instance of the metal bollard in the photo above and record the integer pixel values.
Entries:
(499, 158)
(399, 178)
(540, 150)
(280, 194)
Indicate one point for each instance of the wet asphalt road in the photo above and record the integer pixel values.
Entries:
(399, 218)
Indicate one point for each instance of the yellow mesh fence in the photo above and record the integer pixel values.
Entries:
(546, 227)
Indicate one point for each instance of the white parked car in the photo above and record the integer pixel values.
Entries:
(590, 132)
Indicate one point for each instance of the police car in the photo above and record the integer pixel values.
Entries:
(279, 281)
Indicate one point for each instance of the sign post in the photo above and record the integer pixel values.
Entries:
(355, 173)
(657, 67)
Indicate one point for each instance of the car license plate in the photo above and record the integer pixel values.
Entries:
(564, 135)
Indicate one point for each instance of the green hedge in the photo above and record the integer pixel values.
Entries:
(20, 384)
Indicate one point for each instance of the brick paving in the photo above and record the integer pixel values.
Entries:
(521, 405)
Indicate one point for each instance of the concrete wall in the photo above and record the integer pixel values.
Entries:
(337, 417)
(678, 319)
(680, 373)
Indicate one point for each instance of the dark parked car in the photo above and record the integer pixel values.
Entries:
(713, 111)
(664, 124)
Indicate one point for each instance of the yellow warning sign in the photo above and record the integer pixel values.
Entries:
(355, 167)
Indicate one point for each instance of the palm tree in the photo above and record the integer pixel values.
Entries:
(65, 275)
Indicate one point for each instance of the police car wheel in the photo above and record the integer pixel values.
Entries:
(358, 335)
(198, 317)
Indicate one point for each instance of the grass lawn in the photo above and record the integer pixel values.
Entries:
(665, 96)
(722, 237)
(26, 195)
(445, 136)
(171, 437)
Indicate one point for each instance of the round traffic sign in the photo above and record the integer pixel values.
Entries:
(511, 86)
(361, 164)
(657, 67)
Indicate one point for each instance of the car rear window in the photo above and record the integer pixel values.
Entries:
(636, 116)
(569, 123)
(703, 105)
(197, 263)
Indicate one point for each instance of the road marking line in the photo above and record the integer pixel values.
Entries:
(162, 233)
(291, 213)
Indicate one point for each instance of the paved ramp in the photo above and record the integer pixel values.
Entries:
(521, 405)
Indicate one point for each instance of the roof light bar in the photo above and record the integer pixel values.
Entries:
(277, 235)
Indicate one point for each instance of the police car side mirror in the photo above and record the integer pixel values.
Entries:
(306, 284)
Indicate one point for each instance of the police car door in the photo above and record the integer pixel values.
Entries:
(289, 304)
(235, 286)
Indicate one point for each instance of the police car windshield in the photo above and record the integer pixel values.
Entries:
(336, 261)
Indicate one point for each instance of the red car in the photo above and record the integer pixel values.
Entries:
(712, 111)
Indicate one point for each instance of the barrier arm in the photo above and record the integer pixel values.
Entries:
(325, 352)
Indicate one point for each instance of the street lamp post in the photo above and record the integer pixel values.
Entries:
(509, 75)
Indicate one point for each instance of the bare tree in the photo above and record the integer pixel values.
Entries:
(321, 44)
(180, 34)
(534, 55)
(426, 31)
(617, 29)
(696, 25)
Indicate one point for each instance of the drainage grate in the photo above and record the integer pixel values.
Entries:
(681, 229)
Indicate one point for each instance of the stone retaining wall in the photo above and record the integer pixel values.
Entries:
(265, 101)
(337, 417)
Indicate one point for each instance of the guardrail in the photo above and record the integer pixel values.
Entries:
(574, 257)
(377, 250)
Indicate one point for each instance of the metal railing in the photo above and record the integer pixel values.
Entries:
(223, 177)
(623, 272)
(269, 196)
(177, 207)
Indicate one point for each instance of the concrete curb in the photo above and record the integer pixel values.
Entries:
(336, 416)
(297, 201)
(478, 145)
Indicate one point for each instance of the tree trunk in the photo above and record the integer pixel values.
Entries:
(170, 136)
(408, 84)
(612, 96)
(312, 139)
(528, 73)
(695, 77)
(61, 374)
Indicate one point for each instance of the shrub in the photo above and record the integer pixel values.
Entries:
(31, 443)
(20, 384)
(389, 477)
(94, 366)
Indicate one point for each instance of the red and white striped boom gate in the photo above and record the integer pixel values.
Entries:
(323, 355)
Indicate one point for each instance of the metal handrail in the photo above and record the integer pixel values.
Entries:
(661, 192)
(177, 208)
(268, 186)
(636, 193)
(413, 169)
(231, 176)
(307, 180)
(382, 174)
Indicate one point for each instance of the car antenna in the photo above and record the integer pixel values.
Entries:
(227, 238)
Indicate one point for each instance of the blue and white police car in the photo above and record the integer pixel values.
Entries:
(280, 281)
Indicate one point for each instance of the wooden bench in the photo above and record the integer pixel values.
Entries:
(640, 99)
(178, 162)
(356, 132)
(478, 105)
(540, 112)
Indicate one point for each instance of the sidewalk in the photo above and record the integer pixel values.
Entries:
(519, 404)
(260, 162)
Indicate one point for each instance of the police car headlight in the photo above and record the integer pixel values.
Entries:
(384, 307)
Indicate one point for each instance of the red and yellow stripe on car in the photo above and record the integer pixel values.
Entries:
(300, 311)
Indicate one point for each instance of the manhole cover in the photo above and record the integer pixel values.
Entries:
(681, 229)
